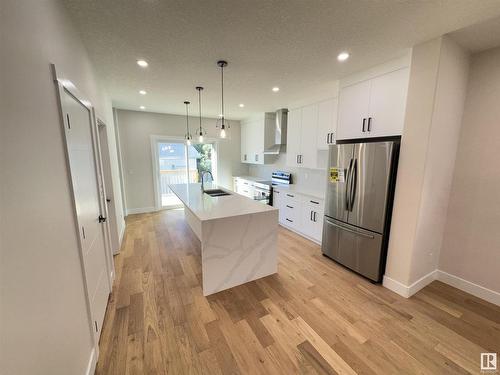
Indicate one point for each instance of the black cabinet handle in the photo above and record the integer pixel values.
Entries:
(289, 206)
(364, 123)
(369, 124)
(328, 139)
(314, 216)
(311, 216)
(290, 195)
(287, 219)
(276, 191)
(314, 202)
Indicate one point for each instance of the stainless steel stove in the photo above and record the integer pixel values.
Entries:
(263, 190)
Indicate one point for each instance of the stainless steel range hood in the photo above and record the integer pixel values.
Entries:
(277, 133)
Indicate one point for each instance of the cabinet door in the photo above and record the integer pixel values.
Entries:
(243, 143)
(327, 123)
(258, 142)
(308, 137)
(278, 203)
(312, 218)
(353, 108)
(293, 137)
(388, 103)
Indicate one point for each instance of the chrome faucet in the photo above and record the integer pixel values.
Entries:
(202, 179)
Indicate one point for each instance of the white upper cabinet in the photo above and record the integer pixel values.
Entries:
(354, 103)
(308, 136)
(253, 138)
(373, 108)
(244, 137)
(388, 103)
(327, 123)
(293, 137)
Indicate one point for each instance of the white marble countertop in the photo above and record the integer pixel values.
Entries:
(299, 190)
(205, 207)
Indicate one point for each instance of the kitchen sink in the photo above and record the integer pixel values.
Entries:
(216, 192)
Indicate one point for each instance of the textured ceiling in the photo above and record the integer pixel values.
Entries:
(292, 44)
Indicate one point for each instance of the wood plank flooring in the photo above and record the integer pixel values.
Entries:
(313, 317)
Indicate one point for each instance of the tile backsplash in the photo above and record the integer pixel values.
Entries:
(311, 180)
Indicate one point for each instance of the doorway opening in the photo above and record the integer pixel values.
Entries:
(179, 163)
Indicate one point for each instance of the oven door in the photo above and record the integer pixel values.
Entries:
(262, 195)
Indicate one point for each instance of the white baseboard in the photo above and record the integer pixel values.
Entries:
(469, 287)
(455, 281)
(409, 290)
(396, 286)
(92, 363)
(140, 210)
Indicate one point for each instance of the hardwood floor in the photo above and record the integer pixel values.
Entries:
(313, 317)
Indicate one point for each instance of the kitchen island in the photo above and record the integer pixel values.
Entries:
(238, 236)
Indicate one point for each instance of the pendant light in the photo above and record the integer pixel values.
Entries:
(201, 132)
(188, 136)
(221, 122)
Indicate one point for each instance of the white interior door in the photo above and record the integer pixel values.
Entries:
(78, 129)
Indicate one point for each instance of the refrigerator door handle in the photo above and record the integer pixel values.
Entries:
(348, 229)
(347, 190)
(354, 179)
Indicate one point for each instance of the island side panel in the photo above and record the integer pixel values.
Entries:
(193, 222)
(238, 249)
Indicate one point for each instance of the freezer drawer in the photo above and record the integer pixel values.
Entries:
(355, 248)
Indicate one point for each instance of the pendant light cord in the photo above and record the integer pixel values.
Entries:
(199, 106)
(222, 90)
(187, 118)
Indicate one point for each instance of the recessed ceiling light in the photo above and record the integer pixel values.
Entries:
(343, 56)
(241, 105)
(276, 89)
(142, 92)
(142, 63)
(142, 107)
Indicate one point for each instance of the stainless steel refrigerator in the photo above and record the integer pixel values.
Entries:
(358, 207)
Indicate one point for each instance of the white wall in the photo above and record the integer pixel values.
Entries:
(43, 316)
(471, 245)
(438, 81)
(135, 130)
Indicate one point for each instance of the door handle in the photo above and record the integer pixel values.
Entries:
(369, 124)
(101, 219)
(364, 122)
(347, 190)
(349, 230)
(354, 179)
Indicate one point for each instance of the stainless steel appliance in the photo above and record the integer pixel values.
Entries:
(263, 190)
(360, 190)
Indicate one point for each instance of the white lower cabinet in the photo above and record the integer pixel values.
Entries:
(312, 217)
(300, 213)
